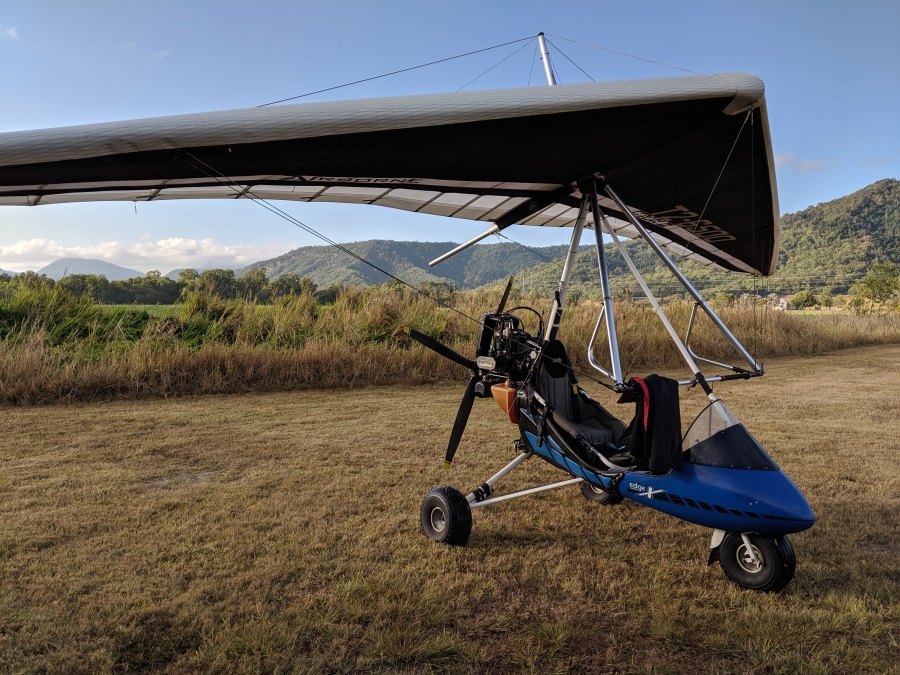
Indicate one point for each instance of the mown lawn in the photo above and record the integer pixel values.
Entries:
(279, 533)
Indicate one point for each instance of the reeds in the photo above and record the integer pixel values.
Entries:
(57, 347)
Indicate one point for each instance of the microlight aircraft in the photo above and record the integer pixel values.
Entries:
(684, 164)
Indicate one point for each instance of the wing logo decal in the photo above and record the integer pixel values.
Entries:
(351, 179)
(683, 218)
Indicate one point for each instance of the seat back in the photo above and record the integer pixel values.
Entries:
(555, 382)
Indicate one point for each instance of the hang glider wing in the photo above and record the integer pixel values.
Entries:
(690, 155)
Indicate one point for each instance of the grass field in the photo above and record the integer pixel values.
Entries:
(56, 347)
(279, 533)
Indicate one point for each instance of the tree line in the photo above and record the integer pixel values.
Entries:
(156, 289)
(876, 290)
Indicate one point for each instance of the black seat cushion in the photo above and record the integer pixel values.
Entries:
(556, 383)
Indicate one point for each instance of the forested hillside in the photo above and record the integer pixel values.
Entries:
(408, 260)
(827, 246)
(835, 243)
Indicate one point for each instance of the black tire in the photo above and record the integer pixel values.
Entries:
(777, 562)
(599, 495)
(445, 516)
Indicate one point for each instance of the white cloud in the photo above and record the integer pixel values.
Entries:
(797, 164)
(9, 32)
(814, 164)
(159, 56)
(882, 161)
(163, 254)
(783, 160)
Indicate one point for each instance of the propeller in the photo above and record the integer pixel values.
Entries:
(440, 348)
(465, 406)
(505, 297)
(462, 417)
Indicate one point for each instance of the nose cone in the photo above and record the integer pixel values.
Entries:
(739, 500)
(781, 501)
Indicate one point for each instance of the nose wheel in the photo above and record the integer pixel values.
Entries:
(756, 562)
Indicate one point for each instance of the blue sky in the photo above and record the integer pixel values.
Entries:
(831, 68)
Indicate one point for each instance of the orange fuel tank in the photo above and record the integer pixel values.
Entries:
(505, 395)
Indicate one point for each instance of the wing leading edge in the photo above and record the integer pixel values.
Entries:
(690, 155)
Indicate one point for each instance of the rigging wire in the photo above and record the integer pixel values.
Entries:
(553, 70)
(571, 61)
(222, 179)
(756, 330)
(533, 59)
(631, 56)
(268, 206)
(396, 72)
(493, 66)
(748, 116)
(538, 254)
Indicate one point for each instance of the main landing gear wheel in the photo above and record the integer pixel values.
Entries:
(599, 495)
(772, 568)
(445, 516)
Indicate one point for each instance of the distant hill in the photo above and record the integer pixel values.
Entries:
(68, 266)
(408, 260)
(836, 242)
(827, 246)
(3, 271)
(830, 245)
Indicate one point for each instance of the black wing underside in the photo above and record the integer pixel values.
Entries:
(691, 156)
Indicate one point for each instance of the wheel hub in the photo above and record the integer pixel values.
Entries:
(749, 561)
(438, 519)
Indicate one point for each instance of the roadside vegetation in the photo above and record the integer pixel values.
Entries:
(279, 532)
(56, 344)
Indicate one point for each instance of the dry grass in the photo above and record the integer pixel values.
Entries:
(279, 533)
(53, 347)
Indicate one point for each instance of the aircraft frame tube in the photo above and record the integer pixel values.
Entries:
(525, 493)
(560, 300)
(689, 287)
(611, 337)
(682, 347)
(590, 348)
(687, 342)
(493, 229)
(490, 482)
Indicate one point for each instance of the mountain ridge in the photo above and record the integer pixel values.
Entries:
(71, 266)
(829, 245)
(408, 260)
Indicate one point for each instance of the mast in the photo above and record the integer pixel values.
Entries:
(559, 298)
(545, 57)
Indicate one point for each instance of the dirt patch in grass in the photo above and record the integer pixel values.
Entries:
(279, 533)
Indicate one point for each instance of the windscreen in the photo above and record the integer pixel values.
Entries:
(717, 438)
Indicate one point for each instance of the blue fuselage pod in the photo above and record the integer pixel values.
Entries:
(734, 500)
(765, 500)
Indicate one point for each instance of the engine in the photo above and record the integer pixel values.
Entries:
(506, 351)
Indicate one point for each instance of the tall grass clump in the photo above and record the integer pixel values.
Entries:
(54, 345)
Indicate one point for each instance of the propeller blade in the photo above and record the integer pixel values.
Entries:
(462, 416)
(440, 348)
(505, 296)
